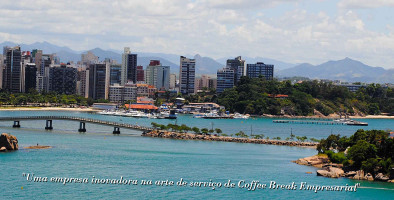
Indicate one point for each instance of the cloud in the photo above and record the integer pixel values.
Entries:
(212, 28)
(355, 4)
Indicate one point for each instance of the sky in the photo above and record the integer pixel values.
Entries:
(294, 31)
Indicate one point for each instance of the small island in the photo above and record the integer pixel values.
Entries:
(38, 147)
(366, 155)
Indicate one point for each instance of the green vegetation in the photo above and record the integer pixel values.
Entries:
(33, 98)
(252, 96)
(372, 150)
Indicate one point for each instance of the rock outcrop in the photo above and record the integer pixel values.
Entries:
(331, 172)
(316, 161)
(8, 142)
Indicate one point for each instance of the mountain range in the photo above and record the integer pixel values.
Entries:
(345, 70)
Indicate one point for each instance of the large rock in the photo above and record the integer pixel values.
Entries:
(316, 161)
(331, 172)
(8, 141)
(359, 175)
(381, 177)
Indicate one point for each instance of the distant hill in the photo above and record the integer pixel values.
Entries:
(206, 65)
(346, 70)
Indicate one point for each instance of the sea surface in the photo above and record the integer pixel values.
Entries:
(100, 154)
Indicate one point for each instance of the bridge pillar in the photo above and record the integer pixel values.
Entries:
(16, 124)
(48, 125)
(82, 127)
(116, 130)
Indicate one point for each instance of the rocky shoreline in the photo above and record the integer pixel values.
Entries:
(333, 170)
(190, 136)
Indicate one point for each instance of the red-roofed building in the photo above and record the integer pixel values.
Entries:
(141, 107)
(391, 134)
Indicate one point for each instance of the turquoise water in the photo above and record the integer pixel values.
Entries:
(103, 155)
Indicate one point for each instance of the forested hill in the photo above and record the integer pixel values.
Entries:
(255, 96)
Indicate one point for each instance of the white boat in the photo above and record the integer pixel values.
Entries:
(240, 116)
(198, 116)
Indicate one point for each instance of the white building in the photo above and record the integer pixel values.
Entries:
(187, 75)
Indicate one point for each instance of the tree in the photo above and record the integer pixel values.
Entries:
(218, 131)
(204, 131)
(361, 151)
(196, 130)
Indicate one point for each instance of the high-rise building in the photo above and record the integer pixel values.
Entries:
(89, 58)
(187, 75)
(238, 66)
(12, 69)
(1, 70)
(129, 67)
(140, 74)
(83, 82)
(62, 79)
(212, 83)
(225, 79)
(46, 61)
(260, 69)
(158, 75)
(172, 81)
(99, 80)
(30, 73)
(115, 73)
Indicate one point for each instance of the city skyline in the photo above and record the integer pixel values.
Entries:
(298, 31)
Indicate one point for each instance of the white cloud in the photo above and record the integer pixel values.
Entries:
(212, 28)
(351, 4)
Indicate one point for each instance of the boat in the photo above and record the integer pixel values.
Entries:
(198, 116)
(240, 116)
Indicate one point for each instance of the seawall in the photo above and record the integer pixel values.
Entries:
(190, 136)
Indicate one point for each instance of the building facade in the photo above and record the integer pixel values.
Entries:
(260, 70)
(99, 80)
(122, 94)
(158, 75)
(238, 66)
(30, 80)
(116, 74)
(225, 79)
(129, 67)
(62, 79)
(12, 69)
(187, 75)
(140, 74)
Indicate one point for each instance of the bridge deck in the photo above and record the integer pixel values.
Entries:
(80, 119)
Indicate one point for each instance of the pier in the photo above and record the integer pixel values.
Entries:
(82, 120)
(322, 122)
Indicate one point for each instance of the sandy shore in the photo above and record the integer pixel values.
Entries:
(49, 109)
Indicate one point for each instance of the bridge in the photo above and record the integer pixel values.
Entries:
(82, 121)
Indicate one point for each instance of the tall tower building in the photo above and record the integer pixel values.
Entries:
(129, 66)
(225, 79)
(12, 69)
(62, 79)
(99, 81)
(30, 73)
(187, 73)
(1, 70)
(238, 66)
(158, 75)
(116, 74)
